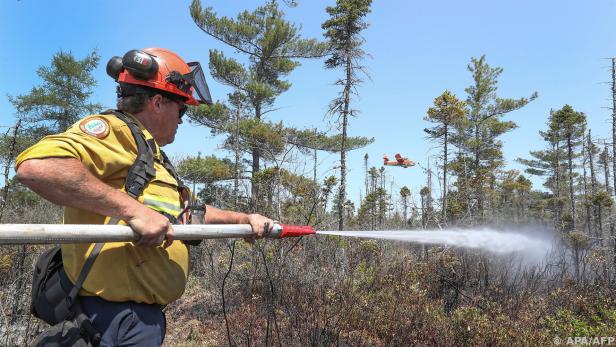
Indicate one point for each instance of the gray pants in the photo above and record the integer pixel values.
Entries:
(125, 323)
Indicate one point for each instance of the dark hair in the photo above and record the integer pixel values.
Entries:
(132, 98)
(133, 103)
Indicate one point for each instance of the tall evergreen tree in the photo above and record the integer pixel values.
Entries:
(405, 192)
(550, 163)
(343, 30)
(570, 125)
(448, 113)
(513, 191)
(482, 149)
(328, 186)
(373, 208)
(62, 98)
(426, 207)
(272, 46)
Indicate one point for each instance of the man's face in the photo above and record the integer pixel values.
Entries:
(166, 118)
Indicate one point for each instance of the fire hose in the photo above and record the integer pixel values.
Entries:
(88, 233)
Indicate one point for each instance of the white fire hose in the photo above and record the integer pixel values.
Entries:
(88, 233)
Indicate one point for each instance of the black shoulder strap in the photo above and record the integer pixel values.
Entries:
(84, 273)
(171, 169)
(142, 171)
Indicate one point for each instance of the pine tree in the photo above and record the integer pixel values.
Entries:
(482, 148)
(373, 173)
(61, 99)
(570, 124)
(405, 192)
(205, 170)
(343, 30)
(513, 192)
(328, 185)
(448, 112)
(373, 208)
(426, 208)
(310, 139)
(599, 199)
(550, 163)
(272, 46)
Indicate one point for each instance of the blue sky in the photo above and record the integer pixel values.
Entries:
(418, 49)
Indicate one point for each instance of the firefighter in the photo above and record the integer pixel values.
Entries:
(109, 168)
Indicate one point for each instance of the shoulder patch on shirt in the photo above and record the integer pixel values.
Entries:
(95, 126)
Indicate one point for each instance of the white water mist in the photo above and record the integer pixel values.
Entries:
(533, 244)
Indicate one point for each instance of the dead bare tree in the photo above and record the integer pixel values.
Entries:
(8, 161)
(613, 84)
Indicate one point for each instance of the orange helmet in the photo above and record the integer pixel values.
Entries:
(161, 70)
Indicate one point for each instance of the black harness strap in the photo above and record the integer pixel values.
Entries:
(171, 169)
(142, 171)
(84, 272)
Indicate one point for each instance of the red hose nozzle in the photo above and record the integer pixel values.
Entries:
(296, 230)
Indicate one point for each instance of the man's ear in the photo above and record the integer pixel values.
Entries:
(157, 102)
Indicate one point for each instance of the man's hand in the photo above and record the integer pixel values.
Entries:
(214, 215)
(258, 222)
(152, 227)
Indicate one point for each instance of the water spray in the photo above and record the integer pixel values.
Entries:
(531, 244)
(488, 239)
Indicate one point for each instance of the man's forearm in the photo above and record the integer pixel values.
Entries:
(66, 182)
(257, 222)
(215, 215)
